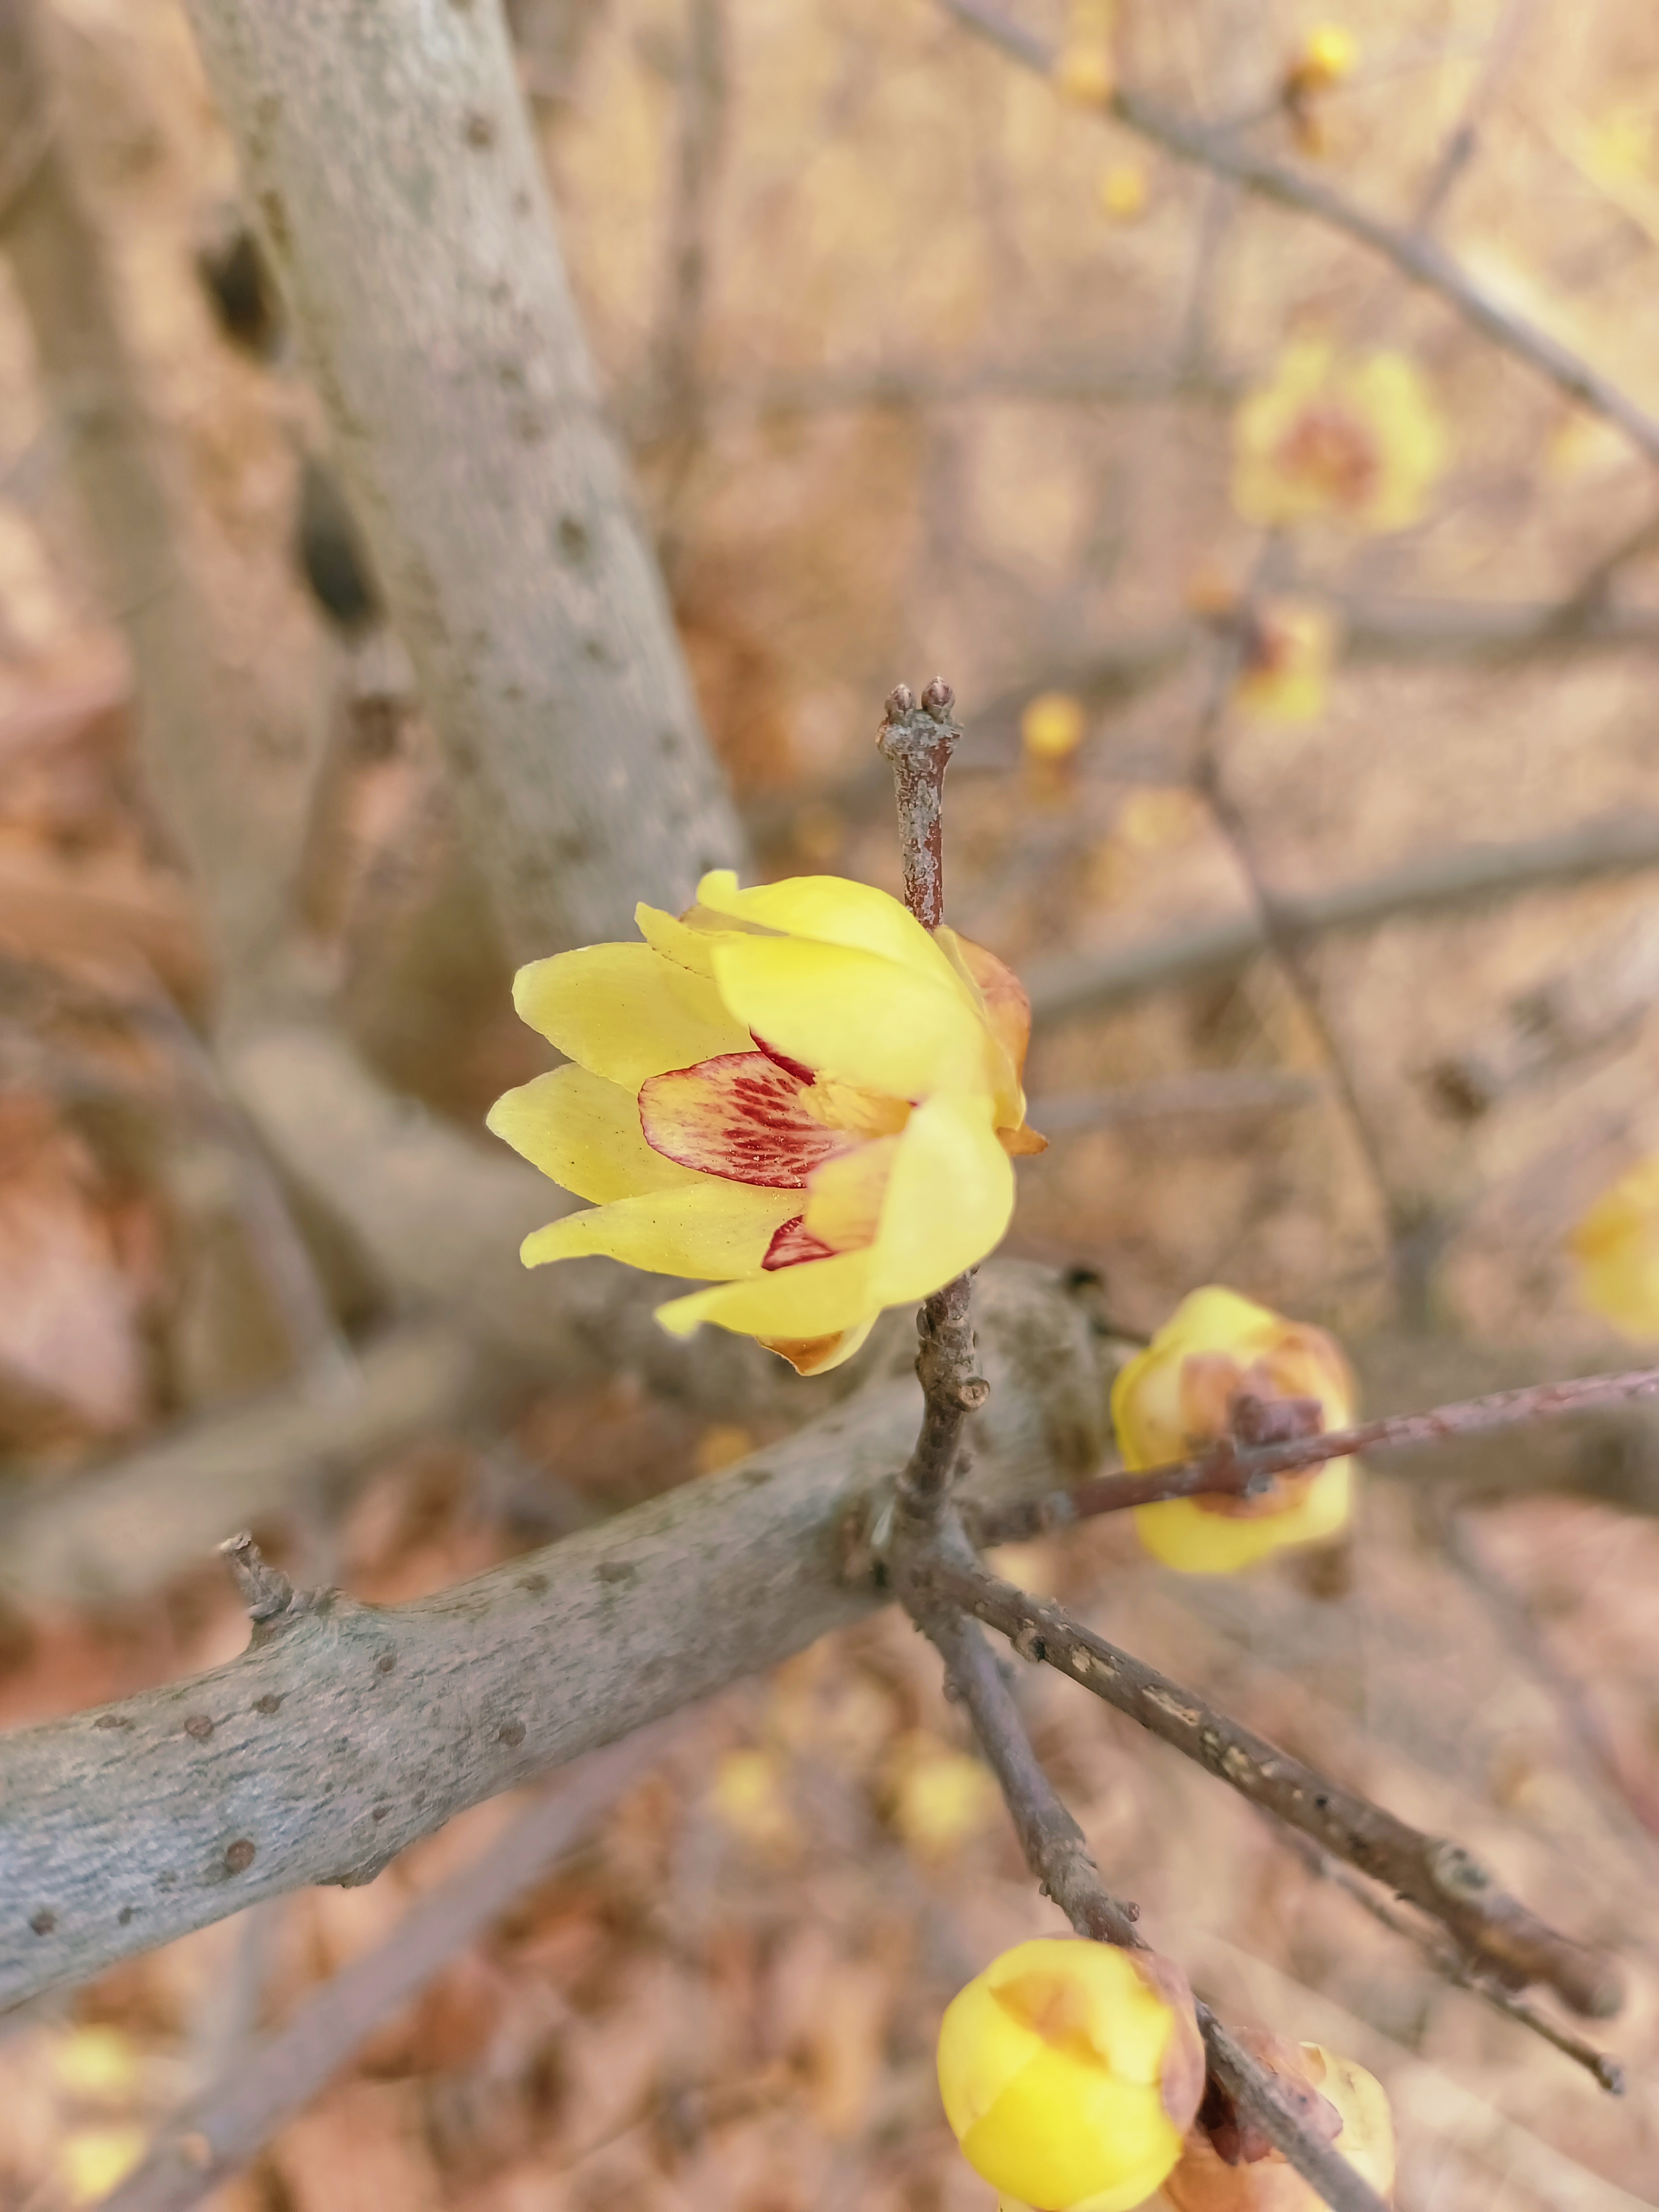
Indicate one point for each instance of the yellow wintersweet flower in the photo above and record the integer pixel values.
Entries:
(793, 1093)
(1354, 437)
(1123, 190)
(1176, 1397)
(1070, 2072)
(1616, 1246)
(1286, 662)
(1263, 2180)
(1328, 54)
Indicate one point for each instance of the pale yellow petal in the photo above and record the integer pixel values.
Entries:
(856, 1016)
(713, 1229)
(831, 911)
(1184, 1535)
(585, 1133)
(844, 1197)
(949, 1199)
(625, 1012)
(818, 1298)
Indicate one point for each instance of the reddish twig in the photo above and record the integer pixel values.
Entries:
(1231, 1470)
(1440, 1877)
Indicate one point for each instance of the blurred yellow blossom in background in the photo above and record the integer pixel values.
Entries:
(1070, 2072)
(1285, 675)
(1052, 727)
(1175, 1398)
(939, 1798)
(1123, 190)
(1616, 1249)
(749, 1797)
(1349, 438)
(1083, 74)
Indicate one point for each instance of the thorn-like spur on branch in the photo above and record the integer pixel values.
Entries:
(1232, 1470)
(1438, 1876)
(1225, 153)
(1059, 1858)
(916, 741)
(266, 1592)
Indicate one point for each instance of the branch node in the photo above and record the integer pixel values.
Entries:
(267, 1593)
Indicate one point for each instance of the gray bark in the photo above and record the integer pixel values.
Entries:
(397, 185)
(346, 1731)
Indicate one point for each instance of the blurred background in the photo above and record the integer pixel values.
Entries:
(1304, 635)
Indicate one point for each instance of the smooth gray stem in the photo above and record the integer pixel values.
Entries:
(346, 1731)
(226, 2128)
(389, 161)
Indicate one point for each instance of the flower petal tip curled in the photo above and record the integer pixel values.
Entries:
(1070, 2072)
(795, 1094)
(1216, 1355)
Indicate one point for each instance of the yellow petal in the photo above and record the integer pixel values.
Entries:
(625, 1012)
(856, 1016)
(585, 1133)
(816, 1355)
(711, 1229)
(829, 910)
(1181, 1534)
(949, 1199)
(844, 1198)
(820, 1297)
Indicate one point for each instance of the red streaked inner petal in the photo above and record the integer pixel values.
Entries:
(742, 1115)
(782, 1060)
(794, 1243)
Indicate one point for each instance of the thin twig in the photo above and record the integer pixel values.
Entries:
(1438, 1876)
(1423, 261)
(1403, 1223)
(916, 741)
(1071, 983)
(1448, 1961)
(230, 2124)
(1231, 1470)
(1059, 1858)
(1462, 141)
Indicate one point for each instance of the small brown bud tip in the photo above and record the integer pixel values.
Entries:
(975, 1393)
(900, 701)
(939, 698)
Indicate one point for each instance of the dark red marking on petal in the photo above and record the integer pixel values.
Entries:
(741, 1116)
(782, 1060)
(791, 1244)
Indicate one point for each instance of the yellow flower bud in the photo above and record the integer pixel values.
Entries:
(1262, 2180)
(1285, 675)
(1177, 1396)
(1070, 2072)
(1616, 1246)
